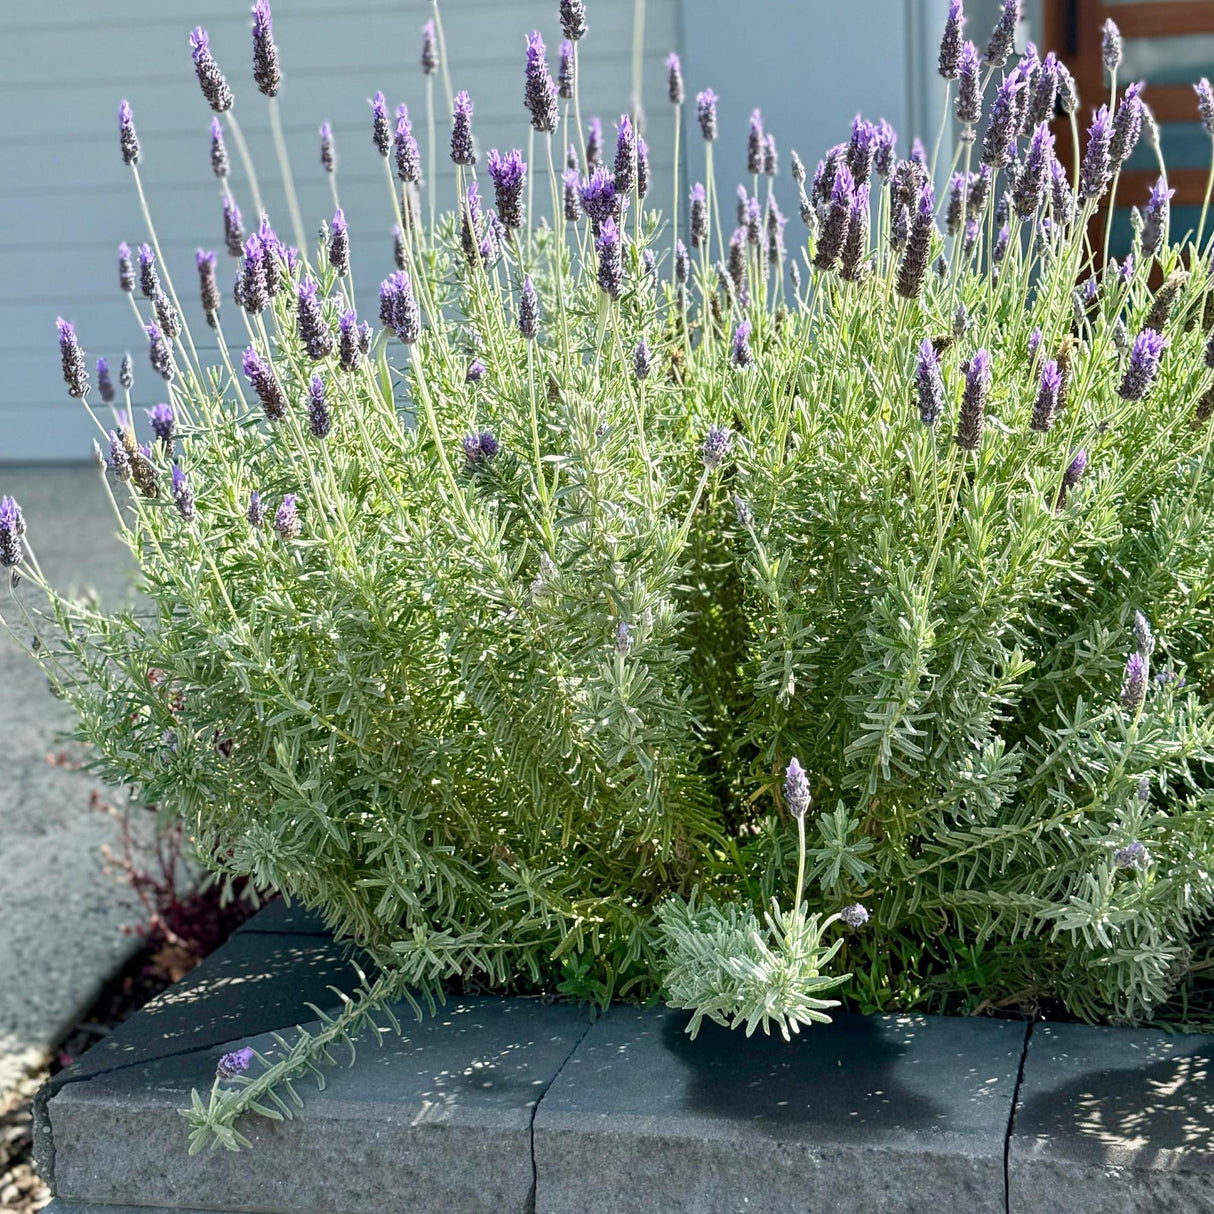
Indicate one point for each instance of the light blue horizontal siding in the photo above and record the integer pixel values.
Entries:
(68, 200)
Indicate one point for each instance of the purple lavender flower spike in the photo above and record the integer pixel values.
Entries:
(1046, 404)
(1110, 46)
(642, 360)
(625, 156)
(1155, 219)
(480, 447)
(642, 168)
(105, 385)
(314, 330)
(796, 789)
(682, 263)
(862, 149)
(1127, 125)
(74, 373)
(462, 151)
(775, 224)
(126, 268)
(611, 259)
(128, 141)
(219, 151)
(349, 351)
(160, 353)
(1134, 683)
(1143, 366)
(328, 158)
(149, 280)
(539, 91)
(1133, 855)
(719, 439)
(381, 134)
(529, 311)
(286, 518)
(1205, 104)
(339, 243)
(273, 253)
(950, 43)
(408, 155)
(855, 247)
(566, 76)
(256, 513)
(476, 371)
(183, 494)
(429, 59)
(1034, 343)
(594, 142)
(262, 380)
(999, 141)
(836, 222)
(706, 113)
(214, 86)
(266, 70)
(598, 195)
(1044, 92)
(737, 265)
(1062, 197)
(163, 422)
(166, 316)
(12, 528)
(208, 287)
(398, 310)
(855, 916)
(698, 221)
(674, 79)
(573, 19)
(972, 416)
(958, 192)
(508, 173)
(1097, 168)
(572, 197)
(126, 372)
(742, 356)
(1004, 34)
(1028, 192)
(254, 293)
(319, 422)
(969, 87)
(885, 149)
(233, 229)
(120, 458)
(1075, 469)
(929, 386)
(913, 268)
(754, 144)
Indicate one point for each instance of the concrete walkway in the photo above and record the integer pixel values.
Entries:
(60, 912)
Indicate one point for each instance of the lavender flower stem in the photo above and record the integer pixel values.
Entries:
(280, 148)
(242, 150)
(1205, 205)
(433, 151)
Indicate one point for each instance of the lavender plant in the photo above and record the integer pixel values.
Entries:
(619, 619)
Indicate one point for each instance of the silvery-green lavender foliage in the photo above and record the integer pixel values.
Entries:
(611, 592)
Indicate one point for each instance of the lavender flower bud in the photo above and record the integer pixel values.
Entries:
(233, 1064)
(642, 360)
(219, 150)
(573, 199)
(256, 513)
(339, 243)
(266, 71)
(1004, 34)
(476, 372)
(214, 86)
(429, 49)
(479, 448)
(1133, 855)
(861, 150)
(328, 157)
(319, 422)
(573, 19)
(928, 383)
(950, 43)
(529, 311)
(1001, 242)
(120, 460)
(286, 519)
(539, 91)
(381, 134)
(1165, 300)
(398, 248)
(1046, 404)
(1144, 789)
(1155, 221)
(566, 76)
(969, 89)
(855, 246)
(128, 141)
(126, 373)
(408, 156)
(611, 259)
(12, 528)
(462, 151)
(163, 421)
(718, 440)
(625, 156)
(314, 330)
(166, 315)
(855, 915)
(1097, 167)
(183, 494)
(697, 224)
(706, 112)
(349, 352)
(149, 280)
(682, 263)
(1068, 91)
(364, 338)
(674, 80)
(126, 268)
(398, 310)
(254, 296)
(263, 382)
(233, 229)
(837, 220)
(1134, 683)
(899, 226)
(594, 142)
(208, 287)
(796, 789)
(737, 265)
(74, 373)
(642, 168)
(775, 224)
(1110, 46)
(1000, 138)
(1143, 365)
(746, 516)
(1205, 104)
(1075, 469)
(913, 268)
(972, 417)
(508, 173)
(1144, 638)
(884, 149)
(1127, 125)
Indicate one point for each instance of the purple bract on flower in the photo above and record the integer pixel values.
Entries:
(163, 420)
(183, 494)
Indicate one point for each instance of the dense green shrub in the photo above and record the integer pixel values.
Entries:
(497, 639)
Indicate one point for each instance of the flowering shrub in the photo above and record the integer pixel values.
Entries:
(739, 625)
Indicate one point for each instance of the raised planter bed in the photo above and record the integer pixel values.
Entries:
(509, 1105)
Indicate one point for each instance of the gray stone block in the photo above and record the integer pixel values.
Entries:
(437, 1120)
(1113, 1121)
(277, 918)
(866, 1115)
